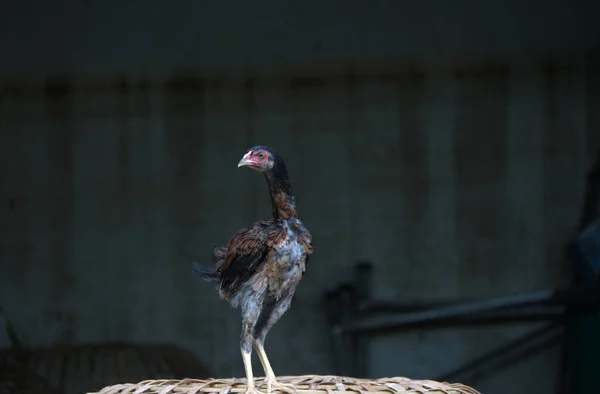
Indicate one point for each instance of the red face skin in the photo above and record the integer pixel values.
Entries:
(259, 160)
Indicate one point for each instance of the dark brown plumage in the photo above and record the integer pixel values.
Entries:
(263, 263)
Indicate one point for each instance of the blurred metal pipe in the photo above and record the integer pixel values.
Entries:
(537, 339)
(383, 306)
(363, 278)
(494, 319)
(392, 305)
(388, 322)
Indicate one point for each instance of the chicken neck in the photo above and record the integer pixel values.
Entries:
(280, 191)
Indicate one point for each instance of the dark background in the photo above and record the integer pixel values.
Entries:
(445, 142)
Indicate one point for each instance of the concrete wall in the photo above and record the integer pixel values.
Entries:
(462, 179)
(148, 38)
(452, 185)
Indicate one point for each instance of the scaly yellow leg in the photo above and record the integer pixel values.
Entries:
(247, 358)
(270, 379)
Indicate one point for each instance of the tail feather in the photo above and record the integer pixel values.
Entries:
(218, 258)
(205, 273)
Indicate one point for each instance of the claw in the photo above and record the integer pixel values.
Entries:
(273, 384)
(253, 390)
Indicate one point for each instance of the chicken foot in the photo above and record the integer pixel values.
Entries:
(251, 388)
(270, 378)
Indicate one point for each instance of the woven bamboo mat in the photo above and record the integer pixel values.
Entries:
(308, 384)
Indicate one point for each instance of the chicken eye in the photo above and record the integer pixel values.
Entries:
(261, 155)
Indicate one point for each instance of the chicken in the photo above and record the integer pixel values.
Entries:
(262, 265)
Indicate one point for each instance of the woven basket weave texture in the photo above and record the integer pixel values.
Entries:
(308, 384)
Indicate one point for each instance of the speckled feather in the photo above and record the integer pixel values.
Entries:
(256, 256)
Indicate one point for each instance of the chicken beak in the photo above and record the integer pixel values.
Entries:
(246, 161)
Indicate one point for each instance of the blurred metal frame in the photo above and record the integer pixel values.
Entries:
(349, 308)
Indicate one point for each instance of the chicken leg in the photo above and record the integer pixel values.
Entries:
(270, 378)
(250, 314)
(270, 315)
(251, 389)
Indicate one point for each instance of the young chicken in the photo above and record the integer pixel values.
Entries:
(262, 264)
